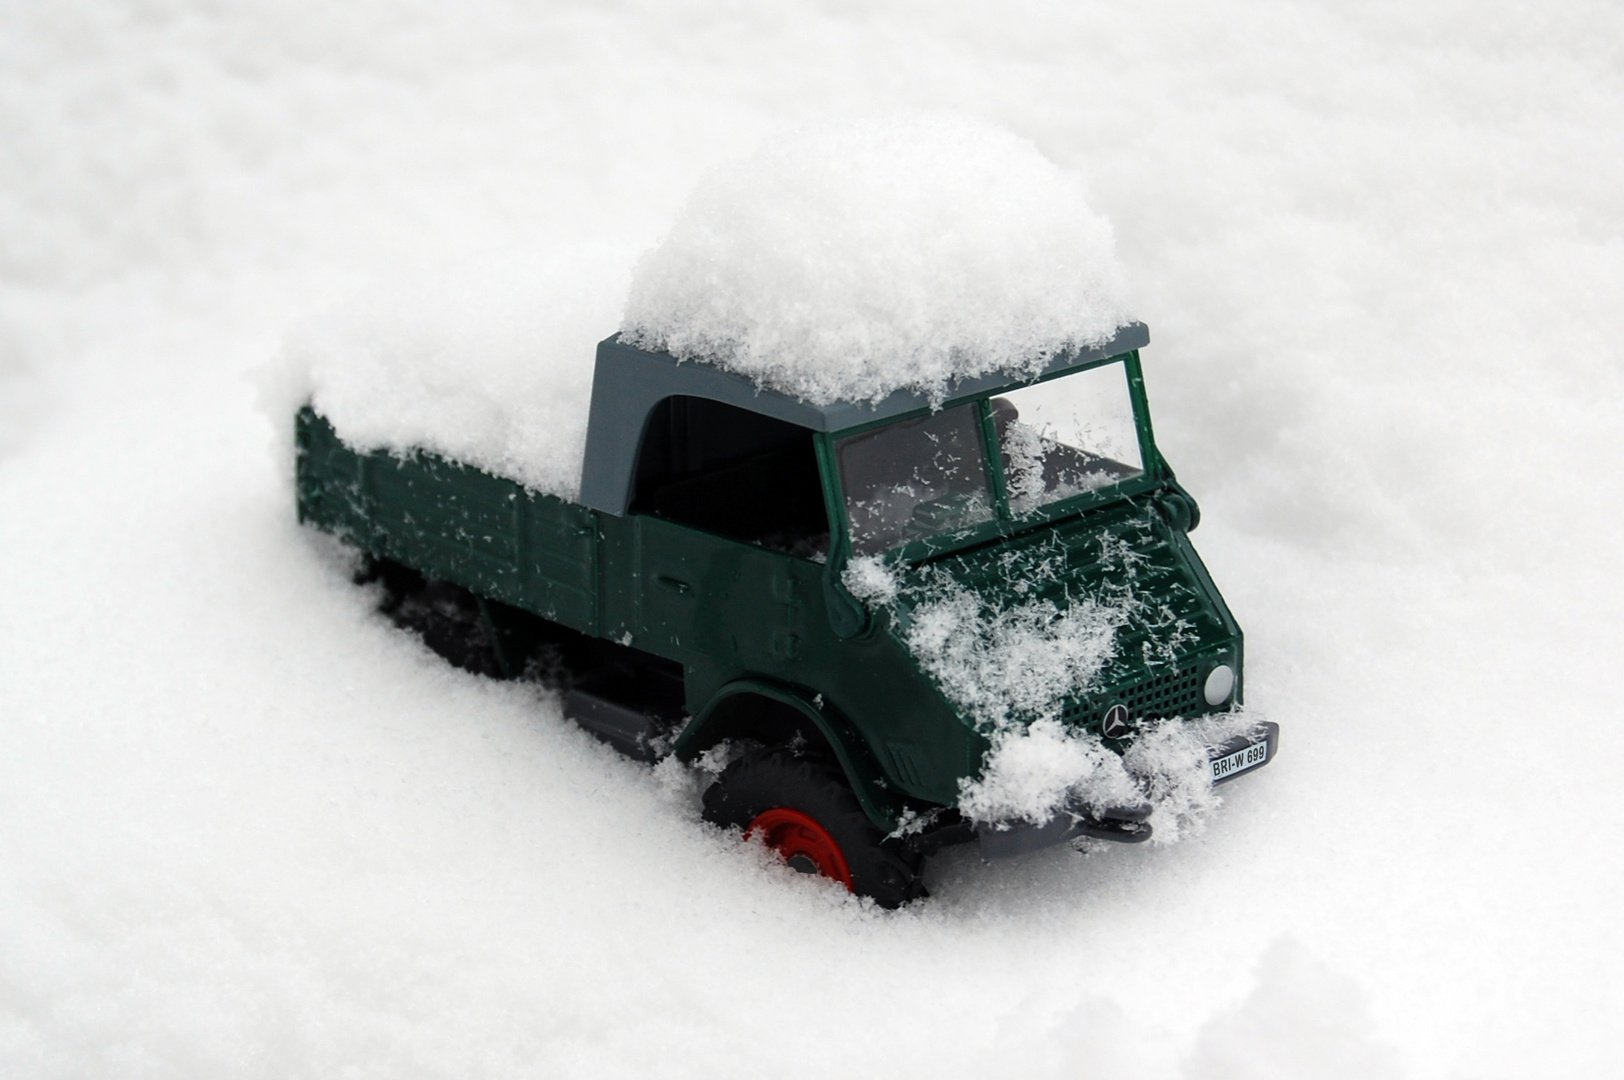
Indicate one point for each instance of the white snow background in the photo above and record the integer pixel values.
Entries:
(247, 829)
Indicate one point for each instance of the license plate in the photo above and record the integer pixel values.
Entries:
(1247, 757)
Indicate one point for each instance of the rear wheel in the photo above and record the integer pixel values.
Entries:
(801, 806)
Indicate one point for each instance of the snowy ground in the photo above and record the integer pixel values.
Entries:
(249, 830)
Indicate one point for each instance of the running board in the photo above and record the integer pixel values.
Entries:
(636, 732)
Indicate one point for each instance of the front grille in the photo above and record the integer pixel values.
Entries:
(1177, 693)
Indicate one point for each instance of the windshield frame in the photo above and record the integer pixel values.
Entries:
(1004, 522)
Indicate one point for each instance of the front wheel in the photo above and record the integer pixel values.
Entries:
(802, 808)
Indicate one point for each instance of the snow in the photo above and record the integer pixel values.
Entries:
(250, 830)
(852, 258)
(1170, 761)
(870, 579)
(1042, 768)
(1036, 769)
(840, 261)
(1010, 664)
(490, 363)
(1020, 660)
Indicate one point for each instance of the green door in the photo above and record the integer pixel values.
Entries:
(703, 597)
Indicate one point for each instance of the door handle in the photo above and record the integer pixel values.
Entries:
(676, 585)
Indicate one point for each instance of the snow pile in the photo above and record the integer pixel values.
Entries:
(1169, 760)
(1034, 770)
(490, 364)
(846, 261)
(1012, 668)
(841, 261)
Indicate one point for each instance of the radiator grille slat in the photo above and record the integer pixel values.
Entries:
(1174, 693)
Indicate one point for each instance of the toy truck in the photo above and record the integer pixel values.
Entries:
(700, 592)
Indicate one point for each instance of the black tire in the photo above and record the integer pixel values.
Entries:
(447, 617)
(781, 778)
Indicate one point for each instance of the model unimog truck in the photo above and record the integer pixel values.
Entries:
(701, 592)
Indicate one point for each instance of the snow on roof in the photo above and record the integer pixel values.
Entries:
(850, 260)
(842, 262)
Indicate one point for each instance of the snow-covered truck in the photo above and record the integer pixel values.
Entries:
(852, 604)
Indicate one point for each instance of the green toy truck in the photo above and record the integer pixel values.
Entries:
(747, 571)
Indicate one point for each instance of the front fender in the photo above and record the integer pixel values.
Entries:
(720, 719)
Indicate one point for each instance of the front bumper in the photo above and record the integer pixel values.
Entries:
(1126, 824)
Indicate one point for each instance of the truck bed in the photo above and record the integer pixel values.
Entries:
(534, 551)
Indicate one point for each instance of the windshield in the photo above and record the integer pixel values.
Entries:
(915, 478)
(1067, 436)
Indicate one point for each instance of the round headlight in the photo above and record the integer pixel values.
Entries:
(1220, 684)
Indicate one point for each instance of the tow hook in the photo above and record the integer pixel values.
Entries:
(1123, 824)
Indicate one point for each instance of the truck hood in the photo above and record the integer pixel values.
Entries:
(1113, 605)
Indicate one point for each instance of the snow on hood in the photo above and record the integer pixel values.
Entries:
(1011, 658)
(844, 261)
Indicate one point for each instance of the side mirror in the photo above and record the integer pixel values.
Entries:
(1177, 508)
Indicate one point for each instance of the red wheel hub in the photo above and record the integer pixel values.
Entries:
(796, 836)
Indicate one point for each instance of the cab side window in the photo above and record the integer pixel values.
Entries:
(734, 473)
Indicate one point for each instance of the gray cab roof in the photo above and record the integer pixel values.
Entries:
(628, 383)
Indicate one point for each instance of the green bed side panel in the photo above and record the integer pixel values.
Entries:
(534, 551)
